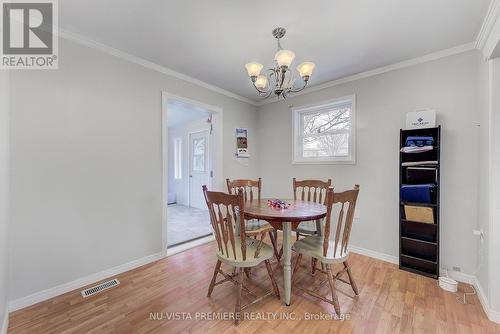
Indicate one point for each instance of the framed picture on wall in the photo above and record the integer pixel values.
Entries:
(242, 143)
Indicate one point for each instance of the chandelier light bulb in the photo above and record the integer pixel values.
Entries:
(261, 82)
(305, 69)
(253, 69)
(284, 58)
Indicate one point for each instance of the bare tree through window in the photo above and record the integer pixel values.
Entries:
(326, 133)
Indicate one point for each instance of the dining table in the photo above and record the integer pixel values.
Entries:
(286, 219)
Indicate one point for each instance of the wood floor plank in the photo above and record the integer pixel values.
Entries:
(174, 291)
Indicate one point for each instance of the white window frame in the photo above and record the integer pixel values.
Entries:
(297, 113)
(178, 158)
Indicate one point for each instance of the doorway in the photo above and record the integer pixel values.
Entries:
(192, 157)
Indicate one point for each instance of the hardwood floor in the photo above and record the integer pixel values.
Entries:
(390, 301)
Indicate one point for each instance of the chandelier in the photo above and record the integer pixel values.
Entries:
(280, 80)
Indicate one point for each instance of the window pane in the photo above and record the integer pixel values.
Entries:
(322, 133)
(199, 155)
(330, 120)
(199, 146)
(332, 145)
(199, 163)
(178, 158)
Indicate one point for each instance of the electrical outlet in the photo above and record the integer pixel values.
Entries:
(456, 269)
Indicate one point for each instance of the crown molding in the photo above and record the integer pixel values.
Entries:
(396, 66)
(148, 64)
(167, 71)
(488, 23)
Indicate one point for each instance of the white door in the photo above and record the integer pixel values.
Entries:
(198, 168)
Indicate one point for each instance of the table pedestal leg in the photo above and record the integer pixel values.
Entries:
(319, 229)
(287, 259)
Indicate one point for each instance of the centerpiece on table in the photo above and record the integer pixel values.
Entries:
(278, 204)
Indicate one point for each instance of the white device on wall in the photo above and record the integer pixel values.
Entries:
(242, 143)
(421, 118)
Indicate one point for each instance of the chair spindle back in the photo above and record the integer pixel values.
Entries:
(344, 220)
(247, 186)
(227, 210)
(315, 190)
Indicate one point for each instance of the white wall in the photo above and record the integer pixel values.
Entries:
(181, 187)
(484, 182)
(86, 160)
(494, 231)
(449, 85)
(87, 165)
(4, 190)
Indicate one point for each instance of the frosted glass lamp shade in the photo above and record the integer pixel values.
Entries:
(305, 69)
(253, 69)
(284, 58)
(261, 82)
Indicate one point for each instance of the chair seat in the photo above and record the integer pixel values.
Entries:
(313, 246)
(266, 252)
(307, 228)
(253, 225)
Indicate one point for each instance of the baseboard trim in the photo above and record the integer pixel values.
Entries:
(374, 254)
(472, 280)
(491, 314)
(458, 276)
(79, 283)
(189, 245)
(41, 296)
(5, 323)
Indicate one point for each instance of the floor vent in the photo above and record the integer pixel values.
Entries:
(100, 287)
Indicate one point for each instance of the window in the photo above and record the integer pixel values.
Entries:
(325, 132)
(178, 158)
(199, 155)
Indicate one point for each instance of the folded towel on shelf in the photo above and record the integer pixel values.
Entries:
(419, 163)
(419, 141)
(416, 149)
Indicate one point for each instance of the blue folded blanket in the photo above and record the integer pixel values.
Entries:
(419, 141)
(417, 193)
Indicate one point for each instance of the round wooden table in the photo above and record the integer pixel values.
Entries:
(284, 219)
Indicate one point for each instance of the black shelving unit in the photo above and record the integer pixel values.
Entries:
(419, 241)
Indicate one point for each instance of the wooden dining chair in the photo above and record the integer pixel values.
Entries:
(237, 250)
(329, 251)
(248, 187)
(311, 191)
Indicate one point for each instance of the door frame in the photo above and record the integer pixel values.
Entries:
(217, 181)
(208, 162)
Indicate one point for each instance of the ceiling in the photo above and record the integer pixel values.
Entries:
(180, 113)
(212, 40)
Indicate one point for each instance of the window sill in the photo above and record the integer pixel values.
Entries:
(324, 162)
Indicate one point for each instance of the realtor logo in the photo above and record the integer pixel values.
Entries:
(29, 35)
